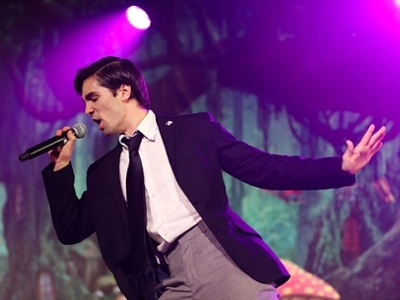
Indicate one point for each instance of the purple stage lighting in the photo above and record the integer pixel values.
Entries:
(137, 17)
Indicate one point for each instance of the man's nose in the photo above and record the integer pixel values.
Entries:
(88, 109)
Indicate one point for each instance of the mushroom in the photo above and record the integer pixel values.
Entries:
(305, 286)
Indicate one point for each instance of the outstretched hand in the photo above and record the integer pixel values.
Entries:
(355, 158)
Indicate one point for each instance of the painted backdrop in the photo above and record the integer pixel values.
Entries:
(290, 77)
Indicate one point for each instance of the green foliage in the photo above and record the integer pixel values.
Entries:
(274, 219)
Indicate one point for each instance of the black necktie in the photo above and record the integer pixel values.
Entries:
(135, 191)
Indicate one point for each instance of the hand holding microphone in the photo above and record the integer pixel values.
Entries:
(61, 156)
(77, 131)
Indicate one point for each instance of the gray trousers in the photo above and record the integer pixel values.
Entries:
(200, 269)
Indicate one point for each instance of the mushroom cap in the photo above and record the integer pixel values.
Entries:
(304, 285)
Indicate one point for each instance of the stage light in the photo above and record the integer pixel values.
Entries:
(137, 17)
(397, 2)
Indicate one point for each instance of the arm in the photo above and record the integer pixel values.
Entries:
(70, 216)
(275, 172)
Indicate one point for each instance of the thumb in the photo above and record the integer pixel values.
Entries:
(347, 157)
(350, 146)
(68, 147)
(349, 149)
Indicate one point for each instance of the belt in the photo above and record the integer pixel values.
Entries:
(200, 227)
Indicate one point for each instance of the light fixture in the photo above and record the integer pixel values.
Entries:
(138, 18)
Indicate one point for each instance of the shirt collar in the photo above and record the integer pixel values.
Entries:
(148, 127)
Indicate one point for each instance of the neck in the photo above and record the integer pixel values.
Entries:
(135, 115)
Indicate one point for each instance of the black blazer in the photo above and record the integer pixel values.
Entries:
(198, 149)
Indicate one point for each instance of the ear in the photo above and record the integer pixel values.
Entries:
(125, 92)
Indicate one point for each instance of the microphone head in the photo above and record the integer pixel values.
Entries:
(79, 130)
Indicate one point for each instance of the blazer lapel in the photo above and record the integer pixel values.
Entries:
(114, 180)
(166, 126)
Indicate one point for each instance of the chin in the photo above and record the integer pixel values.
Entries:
(107, 132)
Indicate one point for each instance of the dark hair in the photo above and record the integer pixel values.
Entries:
(111, 72)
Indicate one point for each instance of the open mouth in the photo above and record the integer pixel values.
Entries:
(98, 122)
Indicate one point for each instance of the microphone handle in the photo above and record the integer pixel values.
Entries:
(44, 147)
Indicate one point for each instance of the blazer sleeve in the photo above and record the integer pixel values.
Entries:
(272, 171)
(70, 215)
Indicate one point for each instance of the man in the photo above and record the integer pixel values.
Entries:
(203, 249)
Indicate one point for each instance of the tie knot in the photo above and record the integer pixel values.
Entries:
(134, 142)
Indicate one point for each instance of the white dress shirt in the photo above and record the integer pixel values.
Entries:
(169, 212)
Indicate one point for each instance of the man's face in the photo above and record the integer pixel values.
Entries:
(105, 109)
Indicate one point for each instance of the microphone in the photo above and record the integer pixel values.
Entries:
(79, 130)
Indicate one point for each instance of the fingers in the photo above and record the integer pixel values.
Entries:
(372, 140)
(60, 131)
(355, 158)
(368, 148)
(367, 136)
(375, 148)
(61, 156)
(378, 136)
(71, 136)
